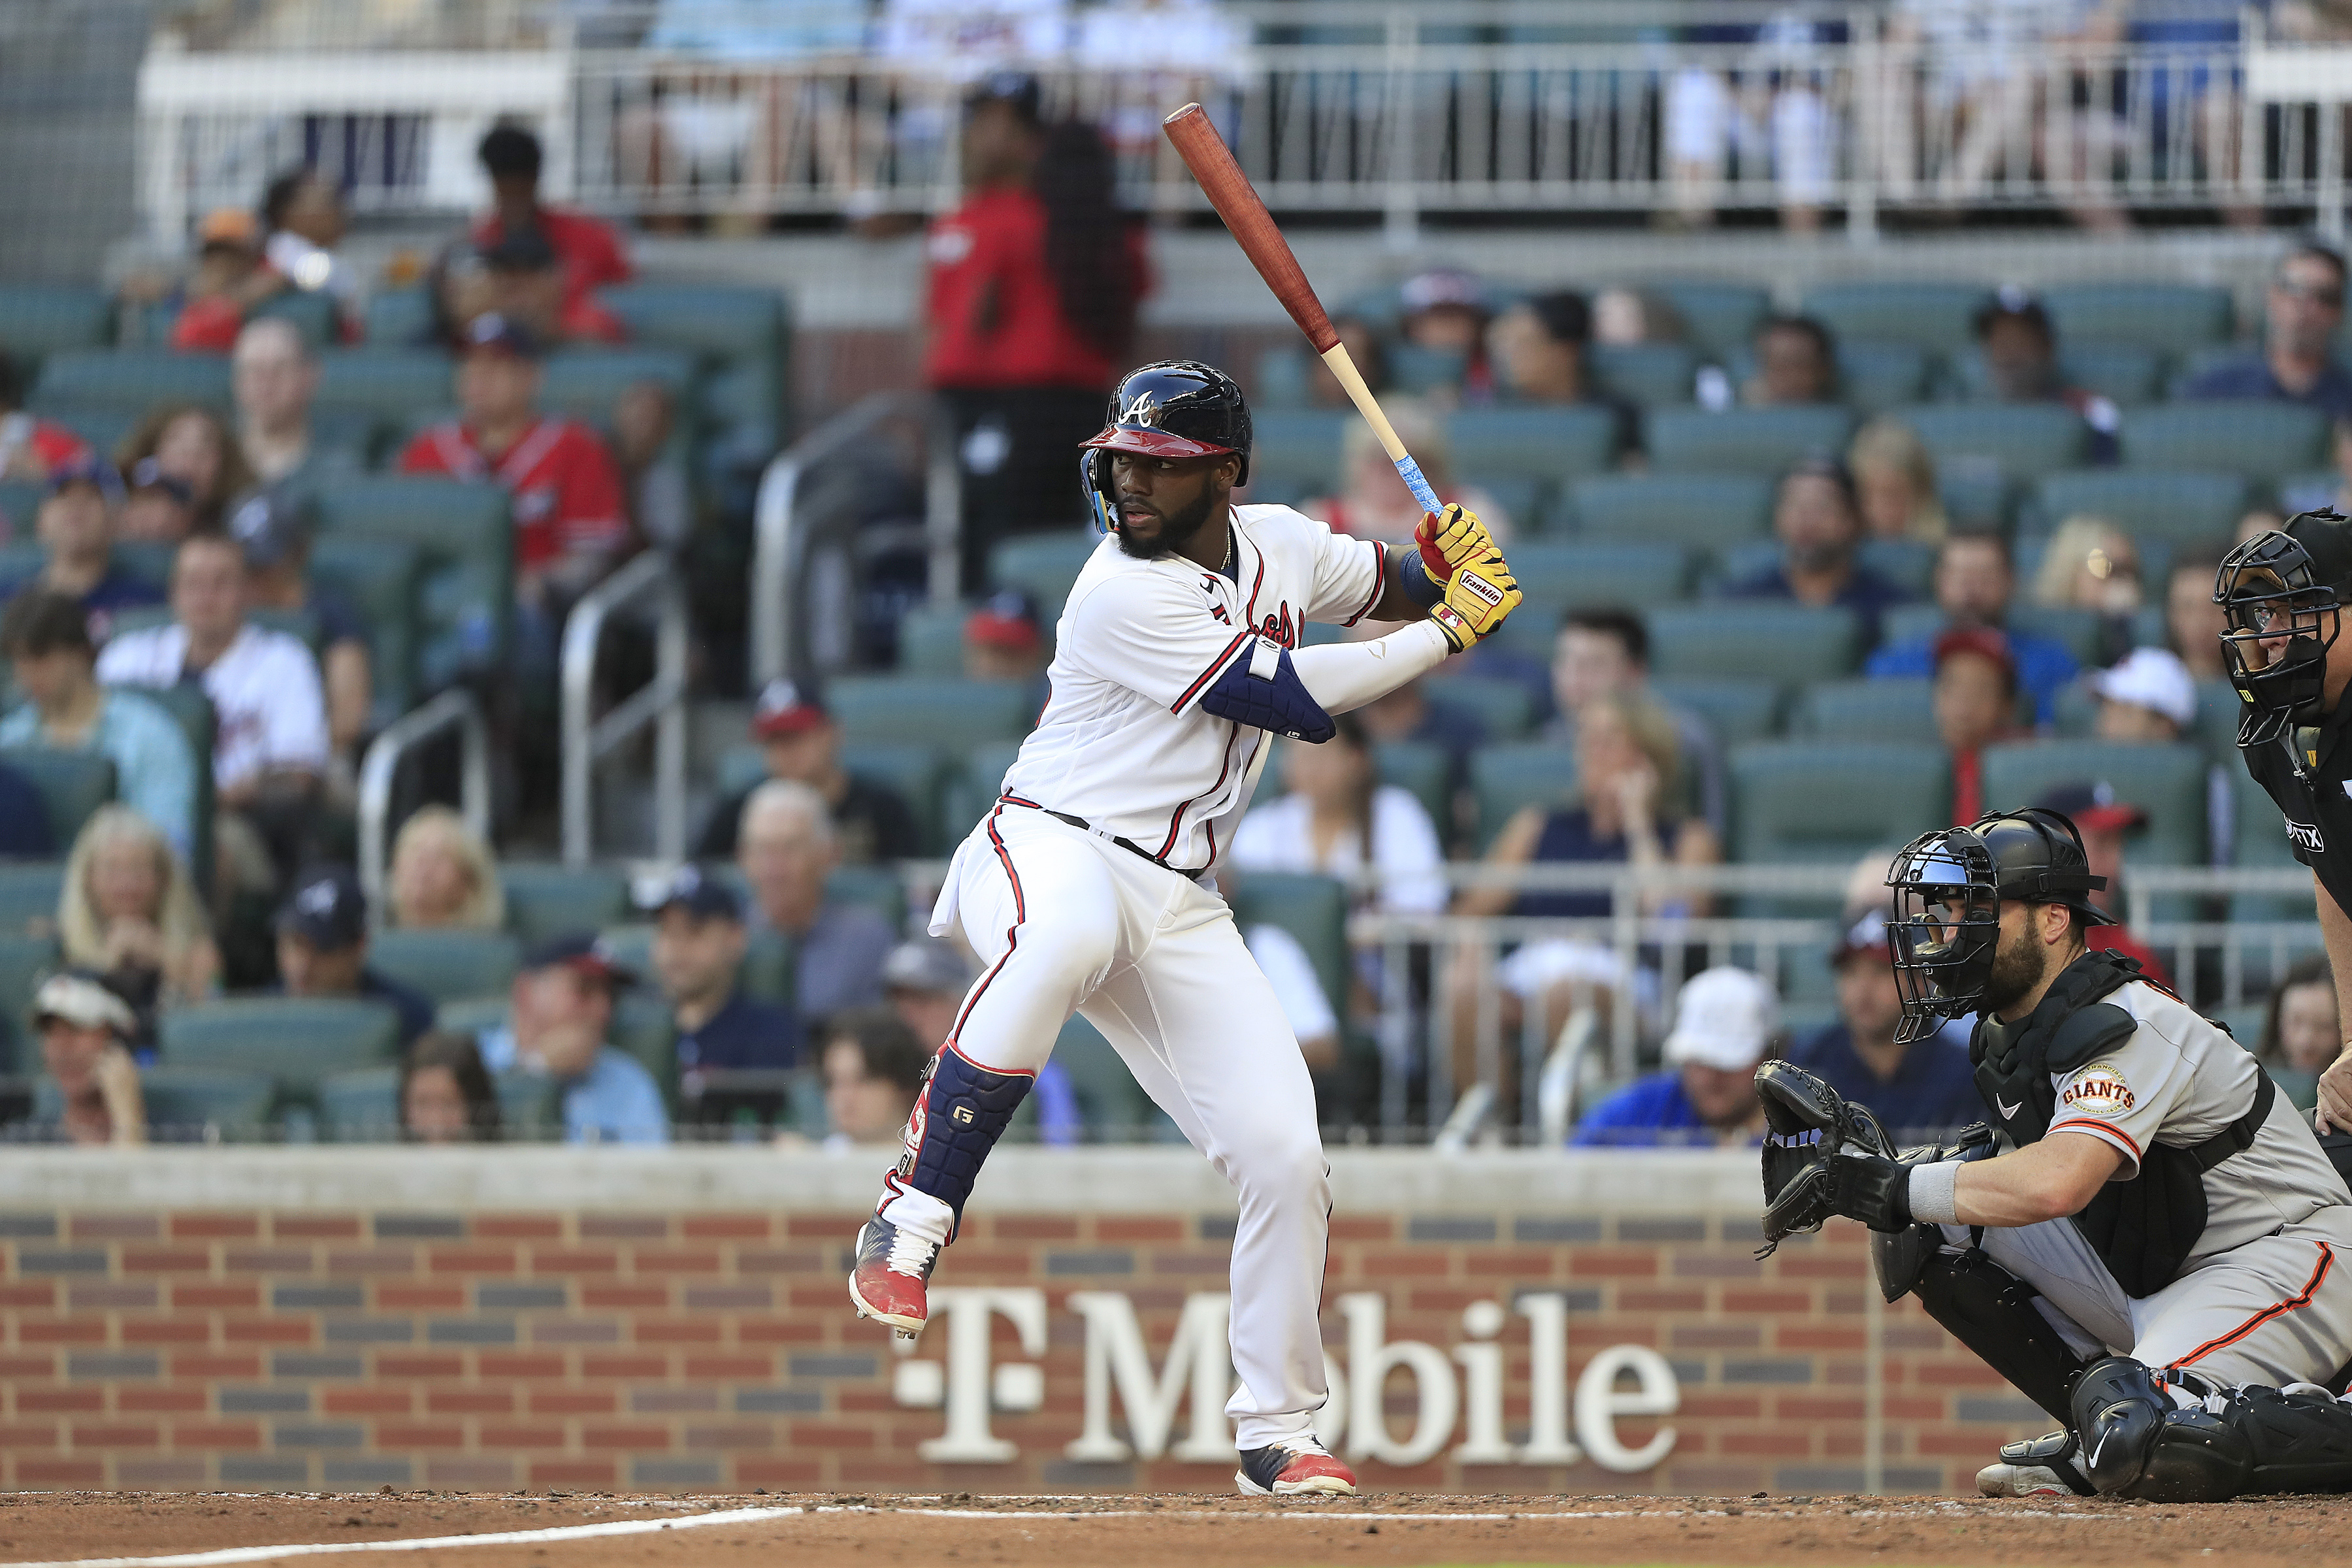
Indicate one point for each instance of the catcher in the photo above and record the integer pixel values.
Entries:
(2146, 1238)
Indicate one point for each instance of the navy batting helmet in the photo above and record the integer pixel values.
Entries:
(1175, 408)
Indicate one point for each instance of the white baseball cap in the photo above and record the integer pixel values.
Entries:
(1724, 1018)
(2153, 678)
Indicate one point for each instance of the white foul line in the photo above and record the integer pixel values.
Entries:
(423, 1542)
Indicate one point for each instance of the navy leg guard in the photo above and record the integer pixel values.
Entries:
(1992, 1311)
(960, 1114)
(2139, 1444)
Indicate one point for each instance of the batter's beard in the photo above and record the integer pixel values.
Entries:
(1175, 532)
(2016, 971)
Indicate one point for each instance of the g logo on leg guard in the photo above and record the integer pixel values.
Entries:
(959, 1116)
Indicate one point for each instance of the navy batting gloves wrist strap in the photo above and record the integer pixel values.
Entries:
(959, 1116)
(1414, 580)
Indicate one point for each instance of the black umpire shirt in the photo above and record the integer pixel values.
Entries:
(2308, 773)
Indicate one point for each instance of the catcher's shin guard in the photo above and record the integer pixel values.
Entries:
(961, 1111)
(2143, 1441)
(1992, 1311)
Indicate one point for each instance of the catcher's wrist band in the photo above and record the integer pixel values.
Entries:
(1934, 1192)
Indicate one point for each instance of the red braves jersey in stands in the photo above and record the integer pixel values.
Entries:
(567, 493)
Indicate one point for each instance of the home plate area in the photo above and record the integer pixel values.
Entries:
(131, 1529)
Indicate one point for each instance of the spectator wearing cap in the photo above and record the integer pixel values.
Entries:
(1975, 581)
(76, 526)
(1976, 705)
(322, 949)
(1444, 310)
(873, 1070)
(699, 945)
(46, 637)
(801, 743)
(274, 379)
(85, 1030)
(1817, 517)
(2302, 309)
(2147, 697)
(587, 250)
(1002, 641)
(31, 446)
(446, 1093)
(1796, 363)
(787, 848)
(2103, 820)
(2020, 349)
(924, 981)
(1918, 1091)
(231, 277)
(1539, 350)
(560, 1019)
(1726, 1020)
(527, 284)
(273, 527)
(157, 508)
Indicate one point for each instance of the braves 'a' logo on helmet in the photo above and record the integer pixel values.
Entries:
(1144, 410)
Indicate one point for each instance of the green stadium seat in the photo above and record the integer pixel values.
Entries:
(2166, 781)
(24, 961)
(398, 318)
(915, 772)
(546, 899)
(1551, 443)
(131, 379)
(1885, 709)
(1416, 371)
(192, 710)
(930, 639)
(314, 315)
(149, 559)
(2079, 630)
(2125, 376)
(2167, 317)
(20, 507)
(586, 383)
(1815, 800)
(379, 577)
(72, 784)
(475, 1018)
(969, 794)
(389, 383)
(876, 888)
(37, 320)
(1283, 380)
(642, 1028)
(1517, 499)
(953, 713)
(1933, 316)
(740, 768)
(447, 965)
(103, 427)
(1874, 376)
(190, 1105)
(2025, 439)
(529, 1111)
(770, 971)
(1420, 768)
(1504, 706)
(362, 1106)
(1755, 639)
(1704, 511)
(1300, 446)
(2259, 840)
(295, 1040)
(1720, 316)
(740, 334)
(1112, 1106)
(1744, 440)
(1908, 564)
(1314, 910)
(1977, 494)
(1743, 562)
(462, 535)
(29, 890)
(2219, 710)
(1648, 374)
(2187, 507)
(1736, 708)
(1043, 565)
(2257, 440)
(1558, 575)
(1505, 778)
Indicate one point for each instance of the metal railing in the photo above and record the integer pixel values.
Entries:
(380, 770)
(786, 530)
(661, 703)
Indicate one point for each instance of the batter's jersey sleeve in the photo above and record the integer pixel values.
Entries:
(1349, 573)
(1156, 633)
(2125, 1096)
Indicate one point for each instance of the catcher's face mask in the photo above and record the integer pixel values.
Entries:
(2282, 621)
(1947, 926)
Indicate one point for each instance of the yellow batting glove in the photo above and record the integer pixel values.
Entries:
(1448, 539)
(1481, 594)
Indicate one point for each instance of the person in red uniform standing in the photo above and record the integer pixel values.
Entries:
(588, 251)
(1034, 286)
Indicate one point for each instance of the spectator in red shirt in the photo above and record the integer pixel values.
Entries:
(588, 251)
(31, 448)
(231, 278)
(1976, 704)
(1034, 286)
(528, 285)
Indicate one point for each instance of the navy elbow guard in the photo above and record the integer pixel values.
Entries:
(1415, 582)
(1264, 692)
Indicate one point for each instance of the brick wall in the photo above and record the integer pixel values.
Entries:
(256, 1348)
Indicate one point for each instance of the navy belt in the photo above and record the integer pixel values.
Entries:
(1129, 844)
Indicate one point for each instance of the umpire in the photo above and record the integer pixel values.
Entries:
(2283, 594)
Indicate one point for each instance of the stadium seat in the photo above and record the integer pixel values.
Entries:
(1503, 779)
(969, 793)
(1505, 706)
(1548, 444)
(1557, 575)
(1908, 564)
(642, 1028)
(1112, 1106)
(546, 899)
(2079, 630)
(2187, 507)
(930, 639)
(398, 318)
(1742, 562)
(742, 335)
(72, 784)
(914, 770)
(362, 1106)
(2259, 440)
(295, 1040)
(1648, 374)
(2166, 317)
(314, 315)
(1877, 377)
(1283, 380)
(37, 320)
(1816, 800)
(2166, 781)
(1720, 316)
(1300, 446)
(2259, 840)
(1933, 316)
(20, 507)
(1415, 371)
(133, 379)
(1753, 639)
(586, 383)
(1043, 565)
(2125, 376)
(103, 427)
(1705, 511)
(447, 965)
(388, 383)
(1886, 709)
(1737, 709)
(190, 1106)
(2218, 710)
(1312, 909)
(953, 713)
(23, 960)
(1518, 499)
(379, 577)
(1420, 768)
(192, 710)
(1744, 440)
(29, 895)
(2026, 440)
(462, 536)
(876, 888)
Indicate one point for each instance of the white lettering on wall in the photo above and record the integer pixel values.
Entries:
(968, 1439)
(1598, 1405)
(1199, 1362)
(1371, 1359)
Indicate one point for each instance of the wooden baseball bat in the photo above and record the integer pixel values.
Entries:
(1236, 201)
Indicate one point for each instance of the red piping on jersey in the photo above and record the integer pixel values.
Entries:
(1215, 665)
(2107, 1126)
(1249, 616)
(1012, 940)
(1176, 818)
(2301, 1299)
(1380, 572)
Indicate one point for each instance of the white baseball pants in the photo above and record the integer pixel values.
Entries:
(1068, 922)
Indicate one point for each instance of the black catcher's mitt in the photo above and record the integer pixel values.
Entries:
(1808, 1122)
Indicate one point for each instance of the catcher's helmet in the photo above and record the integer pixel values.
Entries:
(1948, 885)
(2281, 594)
(1174, 409)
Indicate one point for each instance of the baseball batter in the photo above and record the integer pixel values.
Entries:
(1088, 887)
(2146, 1239)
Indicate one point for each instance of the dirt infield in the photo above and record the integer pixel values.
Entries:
(1148, 1532)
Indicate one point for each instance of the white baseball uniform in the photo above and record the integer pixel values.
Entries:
(1135, 936)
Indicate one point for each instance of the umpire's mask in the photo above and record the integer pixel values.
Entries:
(2279, 593)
